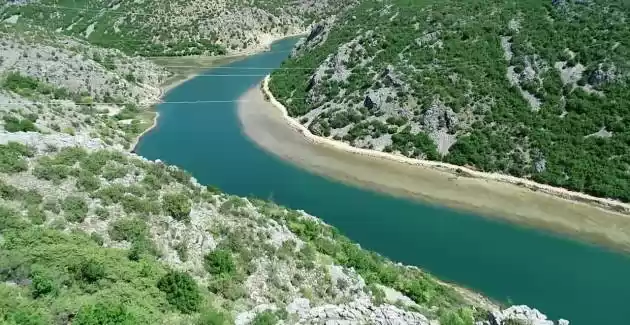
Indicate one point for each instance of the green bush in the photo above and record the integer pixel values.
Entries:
(87, 182)
(228, 287)
(181, 291)
(90, 271)
(25, 316)
(102, 213)
(48, 170)
(36, 215)
(75, 208)
(95, 161)
(219, 262)
(9, 192)
(213, 317)
(31, 197)
(52, 206)
(97, 238)
(265, 318)
(14, 124)
(140, 247)
(42, 284)
(12, 157)
(129, 229)
(133, 204)
(111, 194)
(182, 251)
(69, 156)
(462, 316)
(177, 205)
(111, 173)
(105, 314)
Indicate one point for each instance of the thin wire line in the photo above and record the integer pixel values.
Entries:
(156, 103)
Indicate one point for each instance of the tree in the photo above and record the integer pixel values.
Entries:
(181, 291)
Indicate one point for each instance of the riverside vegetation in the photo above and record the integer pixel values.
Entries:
(535, 89)
(93, 234)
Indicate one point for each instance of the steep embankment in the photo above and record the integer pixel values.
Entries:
(174, 28)
(528, 89)
(91, 234)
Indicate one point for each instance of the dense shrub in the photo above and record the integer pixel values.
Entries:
(462, 316)
(95, 162)
(48, 170)
(181, 291)
(90, 270)
(36, 215)
(265, 318)
(52, 206)
(12, 157)
(141, 246)
(219, 262)
(177, 205)
(111, 172)
(75, 208)
(87, 182)
(102, 213)
(111, 194)
(213, 317)
(129, 229)
(228, 287)
(133, 204)
(14, 124)
(105, 314)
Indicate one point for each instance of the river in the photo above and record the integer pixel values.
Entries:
(562, 277)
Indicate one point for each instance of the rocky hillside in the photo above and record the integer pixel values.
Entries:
(535, 89)
(172, 28)
(53, 83)
(92, 234)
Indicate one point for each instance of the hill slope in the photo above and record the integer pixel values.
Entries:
(532, 88)
(92, 234)
(158, 28)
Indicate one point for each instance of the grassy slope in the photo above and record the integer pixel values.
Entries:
(452, 52)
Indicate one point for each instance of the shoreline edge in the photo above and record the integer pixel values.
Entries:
(605, 203)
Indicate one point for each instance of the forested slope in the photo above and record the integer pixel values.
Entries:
(168, 28)
(535, 89)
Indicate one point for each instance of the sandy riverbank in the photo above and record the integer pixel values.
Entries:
(269, 126)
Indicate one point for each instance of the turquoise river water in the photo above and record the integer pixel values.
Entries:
(561, 277)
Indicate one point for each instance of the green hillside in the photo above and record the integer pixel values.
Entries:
(167, 28)
(531, 88)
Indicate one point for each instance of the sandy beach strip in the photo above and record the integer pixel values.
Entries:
(265, 122)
